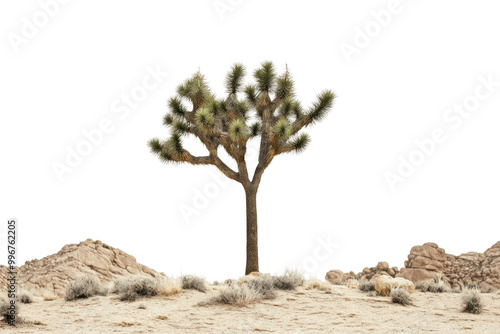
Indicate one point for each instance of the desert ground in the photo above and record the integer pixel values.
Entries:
(342, 309)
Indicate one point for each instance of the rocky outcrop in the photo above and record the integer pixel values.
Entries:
(381, 269)
(428, 256)
(54, 272)
(335, 276)
(475, 268)
(428, 261)
(417, 275)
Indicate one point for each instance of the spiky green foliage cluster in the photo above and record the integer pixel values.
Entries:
(267, 108)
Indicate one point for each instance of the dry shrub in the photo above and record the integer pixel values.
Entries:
(366, 286)
(263, 285)
(289, 280)
(400, 296)
(317, 284)
(137, 286)
(239, 296)
(478, 286)
(229, 281)
(194, 283)
(10, 312)
(85, 287)
(258, 288)
(423, 285)
(439, 287)
(25, 297)
(471, 301)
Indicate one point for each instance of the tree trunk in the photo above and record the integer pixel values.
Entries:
(252, 244)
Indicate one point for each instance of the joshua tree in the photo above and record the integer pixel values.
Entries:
(277, 118)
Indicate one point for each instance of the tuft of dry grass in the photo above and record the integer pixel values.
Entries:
(10, 312)
(49, 296)
(194, 283)
(289, 280)
(169, 286)
(229, 281)
(25, 297)
(133, 287)
(438, 285)
(127, 324)
(400, 296)
(239, 296)
(352, 283)
(317, 284)
(263, 285)
(85, 287)
(423, 285)
(366, 286)
(260, 287)
(477, 286)
(471, 301)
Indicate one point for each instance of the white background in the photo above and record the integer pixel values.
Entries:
(395, 90)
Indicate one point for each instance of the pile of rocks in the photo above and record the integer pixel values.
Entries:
(382, 268)
(54, 272)
(368, 274)
(428, 261)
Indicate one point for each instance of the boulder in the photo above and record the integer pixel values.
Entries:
(382, 266)
(427, 256)
(385, 284)
(335, 276)
(417, 275)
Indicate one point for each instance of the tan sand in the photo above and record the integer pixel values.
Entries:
(344, 310)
